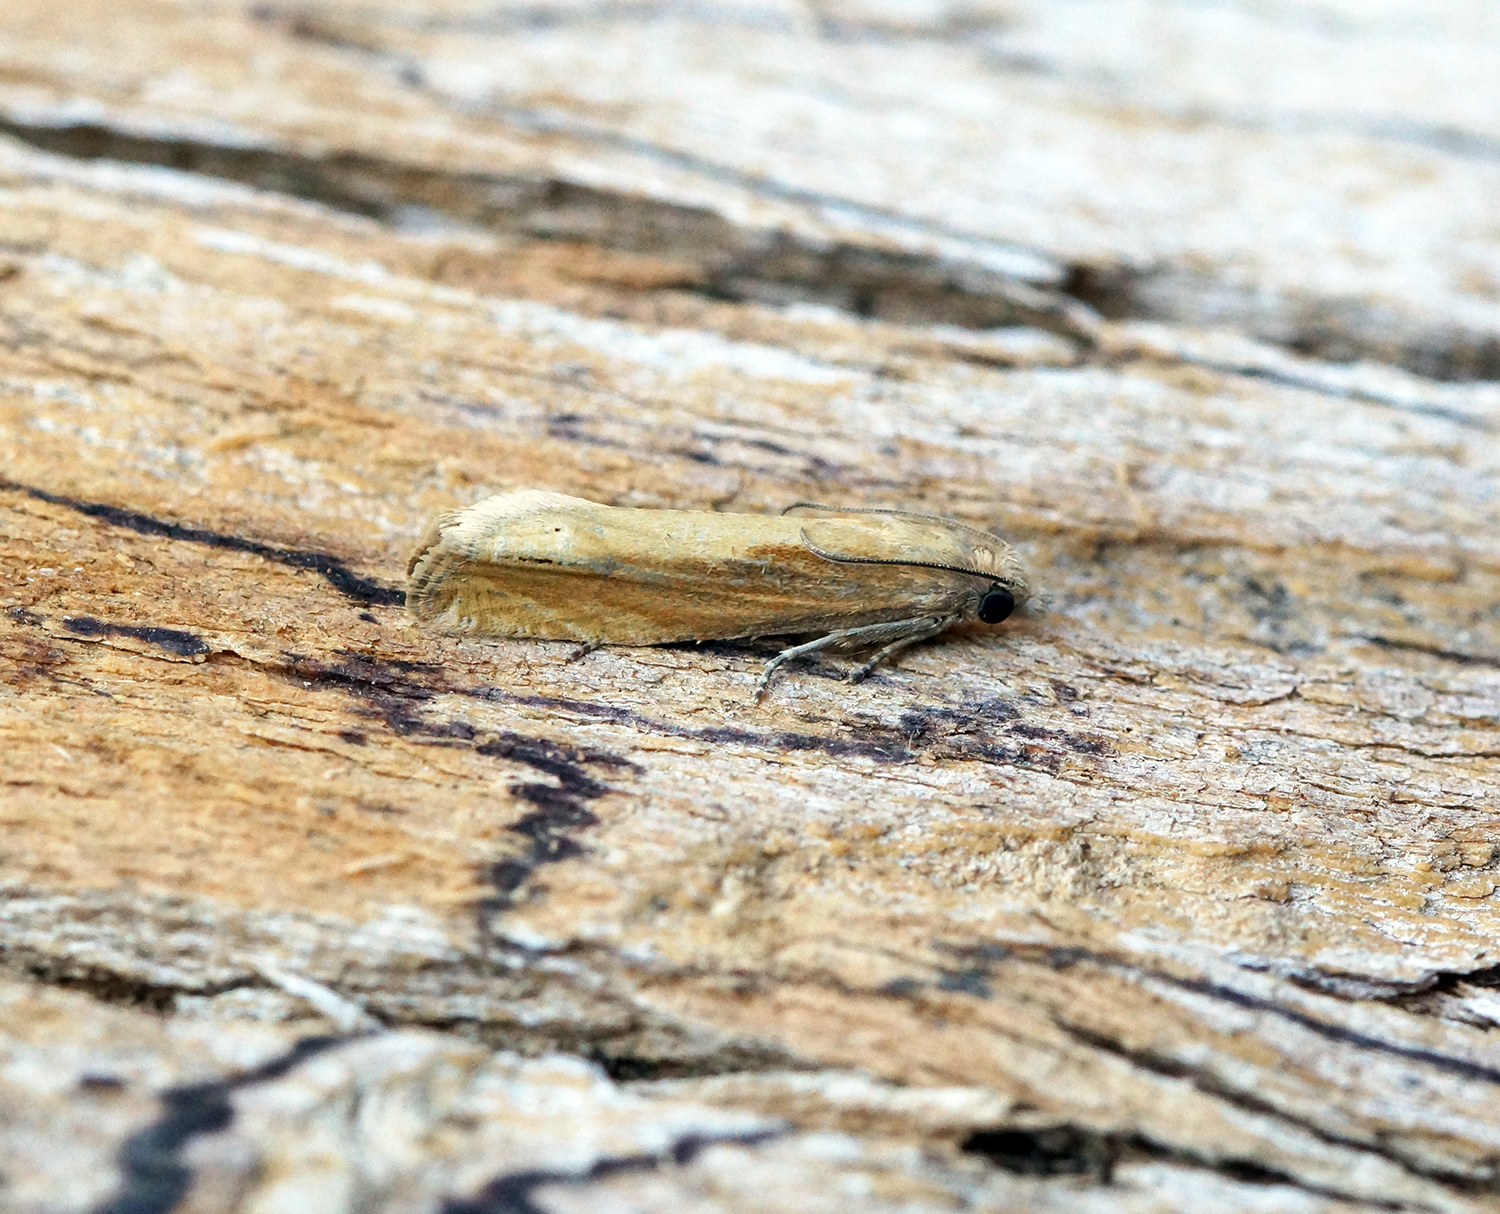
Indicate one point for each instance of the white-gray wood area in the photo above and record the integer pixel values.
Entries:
(1176, 891)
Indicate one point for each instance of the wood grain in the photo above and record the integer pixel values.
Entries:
(1177, 892)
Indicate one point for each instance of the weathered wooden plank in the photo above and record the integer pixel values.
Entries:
(921, 165)
(1176, 891)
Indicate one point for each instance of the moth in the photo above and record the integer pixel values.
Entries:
(534, 564)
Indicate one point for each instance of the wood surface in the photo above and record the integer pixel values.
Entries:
(1176, 891)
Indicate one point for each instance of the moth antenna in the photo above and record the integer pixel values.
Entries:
(911, 514)
(873, 560)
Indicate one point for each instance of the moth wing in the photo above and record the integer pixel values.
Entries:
(539, 564)
(455, 541)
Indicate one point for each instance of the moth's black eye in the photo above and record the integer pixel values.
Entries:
(997, 603)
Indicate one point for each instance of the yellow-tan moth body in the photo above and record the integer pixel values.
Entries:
(535, 564)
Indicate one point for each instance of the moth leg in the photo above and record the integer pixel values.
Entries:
(898, 645)
(584, 649)
(856, 638)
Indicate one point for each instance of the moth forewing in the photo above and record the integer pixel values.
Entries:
(936, 541)
(536, 564)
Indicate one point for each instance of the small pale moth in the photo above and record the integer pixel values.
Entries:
(536, 564)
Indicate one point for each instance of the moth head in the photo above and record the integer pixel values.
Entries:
(996, 604)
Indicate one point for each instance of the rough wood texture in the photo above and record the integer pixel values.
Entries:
(1177, 892)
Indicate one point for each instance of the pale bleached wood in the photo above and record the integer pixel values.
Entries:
(1184, 880)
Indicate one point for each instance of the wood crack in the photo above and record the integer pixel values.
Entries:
(366, 591)
(156, 1179)
(514, 1192)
